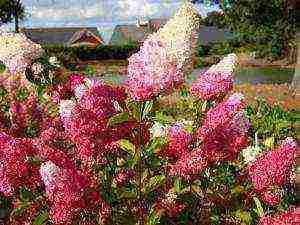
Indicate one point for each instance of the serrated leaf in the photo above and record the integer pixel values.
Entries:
(154, 183)
(42, 218)
(117, 119)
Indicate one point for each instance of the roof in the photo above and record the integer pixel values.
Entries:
(85, 37)
(125, 33)
(155, 24)
(211, 34)
(55, 35)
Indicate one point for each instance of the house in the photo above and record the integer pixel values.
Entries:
(67, 36)
(211, 34)
(155, 24)
(127, 33)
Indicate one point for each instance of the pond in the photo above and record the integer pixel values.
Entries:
(252, 75)
(257, 75)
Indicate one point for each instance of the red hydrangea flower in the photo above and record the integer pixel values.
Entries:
(15, 167)
(179, 140)
(273, 167)
(272, 196)
(65, 189)
(224, 130)
(151, 71)
(290, 217)
(216, 81)
(170, 205)
(189, 164)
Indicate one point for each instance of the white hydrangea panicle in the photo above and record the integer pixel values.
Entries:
(17, 51)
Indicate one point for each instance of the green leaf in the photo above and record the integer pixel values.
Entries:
(25, 195)
(136, 109)
(154, 144)
(42, 218)
(22, 94)
(154, 183)
(259, 208)
(154, 217)
(20, 209)
(177, 185)
(163, 119)
(119, 118)
(127, 146)
(147, 108)
(130, 194)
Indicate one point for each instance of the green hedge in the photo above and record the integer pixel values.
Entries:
(84, 53)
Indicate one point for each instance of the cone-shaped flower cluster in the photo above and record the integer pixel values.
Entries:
(224, 130)
(180, 35)
(15, 167)
(17, 51)
(64, 188)
(217, 81)
(160, 64)
(291, 217)
(272, 169)
(179, 140)
(190, 164)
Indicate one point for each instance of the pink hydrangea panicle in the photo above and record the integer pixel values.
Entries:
(85, 148)
(221, 115)
(273, 167)
(151, 71)
(64, 188)
(290, 217)
(272, 196)
(15, 165)
(179, 140)
(224, 130)
(216, 81)
(171, 206)
(189, 164)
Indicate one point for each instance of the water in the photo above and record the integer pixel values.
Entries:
(255, 75)
(242, 75)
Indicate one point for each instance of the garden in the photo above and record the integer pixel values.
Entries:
(157, 147)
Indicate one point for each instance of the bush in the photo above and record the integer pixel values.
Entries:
(101, 52)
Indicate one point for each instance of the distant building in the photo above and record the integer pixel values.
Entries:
(155, 24)
(139, 31)
(127, 33)
(67, 36)
(211, 34)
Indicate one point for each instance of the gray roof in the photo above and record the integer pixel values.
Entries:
(55, 35)
(210, 34)
(126, 33)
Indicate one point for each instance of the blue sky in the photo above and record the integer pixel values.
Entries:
(104, 14)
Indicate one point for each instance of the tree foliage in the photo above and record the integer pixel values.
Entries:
(267, 24)
(12, 10)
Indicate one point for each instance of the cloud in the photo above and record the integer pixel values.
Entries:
(76, 12)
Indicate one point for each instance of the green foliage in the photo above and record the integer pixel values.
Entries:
(267, 24)
(215, 18)
(102, 52)
(2, 68)
(271, 121)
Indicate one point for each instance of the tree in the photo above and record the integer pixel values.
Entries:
(12, 10)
